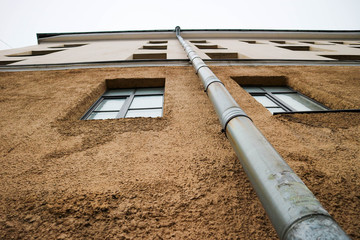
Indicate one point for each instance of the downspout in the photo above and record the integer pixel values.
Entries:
(292, 208)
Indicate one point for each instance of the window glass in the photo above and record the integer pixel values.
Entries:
(253, 89)
(119, 92)
(110, 105)
(274, 110)
(148, 91)
(102, 115)
(144, 113)
(147, 102)
(277, 89)
(298, 102)
(265, 101)
(134, 102)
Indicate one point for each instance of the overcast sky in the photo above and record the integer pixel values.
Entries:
(20, 20)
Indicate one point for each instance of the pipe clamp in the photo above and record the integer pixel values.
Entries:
(210, 80)
(231, 113)
(201, 66)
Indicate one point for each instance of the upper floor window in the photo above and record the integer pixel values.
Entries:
(279, 99)
(128, 103)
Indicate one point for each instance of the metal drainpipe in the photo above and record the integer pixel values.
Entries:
(292, 208)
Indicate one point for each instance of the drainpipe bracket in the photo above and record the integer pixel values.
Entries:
(229, 114)
(210, 80)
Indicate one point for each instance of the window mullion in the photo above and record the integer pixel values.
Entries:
(281, 103)
(126, 105)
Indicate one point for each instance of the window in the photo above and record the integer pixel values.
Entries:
(33, 53)
(141, 56)
(249, 41)
(70, 45)
(279, 99)
(297, 48)
(155, 47)
(198, 41)
(158, 42)
(2, 63)
(343, 57)
(128, 103)
(279, 42)
(209, 46)
(223, 55)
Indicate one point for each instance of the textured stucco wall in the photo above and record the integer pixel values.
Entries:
(171, 177)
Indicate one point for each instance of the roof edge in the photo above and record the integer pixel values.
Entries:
(47, 35)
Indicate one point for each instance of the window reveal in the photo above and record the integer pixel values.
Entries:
(279, 99)
(128, 103)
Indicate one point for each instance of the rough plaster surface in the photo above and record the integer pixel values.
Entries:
(175, 177)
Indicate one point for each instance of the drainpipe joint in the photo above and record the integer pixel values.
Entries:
(229, 114)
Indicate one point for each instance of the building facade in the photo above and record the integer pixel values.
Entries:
(155, 164)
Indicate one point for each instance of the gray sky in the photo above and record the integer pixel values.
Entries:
(22, 19)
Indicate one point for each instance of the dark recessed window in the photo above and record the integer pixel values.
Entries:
(149, 56)
(33, 53)
(278, 99)
(128, 103)
(249, 41)
(308, 42)
(69, 45)
(343, 57)
(198, 41)
(279, 42)
(3, 63)
(296, 48)
(154, 47)
(157, 42)
(208, 46)
(223, 55)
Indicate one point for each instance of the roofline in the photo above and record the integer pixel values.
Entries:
(47, 35)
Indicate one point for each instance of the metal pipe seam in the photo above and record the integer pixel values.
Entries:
(192, 58)
(209, 80)
(201, 66)
(296, 230)
(230, 114)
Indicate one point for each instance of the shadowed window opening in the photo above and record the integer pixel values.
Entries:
(33, 53)
(279, 99)
(158, 42)
(70, 45)
(119, 101)
(149, 56)
(223, 55)
(343, 57)
(198, 41)
(154, 47)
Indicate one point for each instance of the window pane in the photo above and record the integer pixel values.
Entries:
(253, 89)
(148, 91)
(147, 102)
(119, 92)
(275, 110)
(110, 105)
(278, 89)
(144, 113)
(102, 115)
(298, 102)
(265, 101)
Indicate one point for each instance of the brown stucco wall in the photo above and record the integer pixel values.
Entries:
(172, 177)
